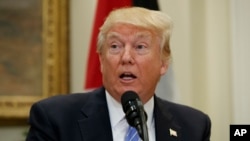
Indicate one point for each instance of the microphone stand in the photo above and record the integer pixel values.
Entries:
(143, 130)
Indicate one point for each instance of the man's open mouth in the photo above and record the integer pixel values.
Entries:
(127, 76)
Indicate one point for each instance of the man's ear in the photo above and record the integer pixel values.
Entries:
(164, 67)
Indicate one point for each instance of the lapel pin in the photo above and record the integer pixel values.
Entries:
(172, 132)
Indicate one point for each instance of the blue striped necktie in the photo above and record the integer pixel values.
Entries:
(132, 135)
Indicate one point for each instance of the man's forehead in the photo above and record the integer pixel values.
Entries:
(137, 34)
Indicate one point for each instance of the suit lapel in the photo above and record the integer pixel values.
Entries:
(165, 127)
(95, 125)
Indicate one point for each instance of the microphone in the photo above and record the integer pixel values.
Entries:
(134, 113)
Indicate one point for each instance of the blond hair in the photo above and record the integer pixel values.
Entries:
(156, 21)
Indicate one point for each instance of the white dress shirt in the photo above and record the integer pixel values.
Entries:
(119, 124)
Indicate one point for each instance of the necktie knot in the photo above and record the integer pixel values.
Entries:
(132, 134)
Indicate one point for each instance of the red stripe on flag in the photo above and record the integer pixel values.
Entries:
(93, 75)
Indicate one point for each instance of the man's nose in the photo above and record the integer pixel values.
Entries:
(127, 56)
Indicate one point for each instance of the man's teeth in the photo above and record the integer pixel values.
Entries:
(127, 76)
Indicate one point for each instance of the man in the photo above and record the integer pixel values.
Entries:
(133, 48)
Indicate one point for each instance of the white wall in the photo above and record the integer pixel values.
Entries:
(240, 69)
(81, 19)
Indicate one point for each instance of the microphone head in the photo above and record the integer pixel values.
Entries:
(128, 96)
(132, 107)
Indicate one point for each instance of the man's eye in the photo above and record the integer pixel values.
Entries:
(142, 49)
(115, 48)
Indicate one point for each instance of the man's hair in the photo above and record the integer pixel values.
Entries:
(153, 20)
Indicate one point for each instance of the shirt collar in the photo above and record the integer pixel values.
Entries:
(116, 112)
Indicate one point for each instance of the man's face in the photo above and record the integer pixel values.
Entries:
(131, 60)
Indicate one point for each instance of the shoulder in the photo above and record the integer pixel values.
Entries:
(67, 103)
(178, 108)
(51, 117)
(182, 113)
(72, 98)
(186, 117)
(64, 100)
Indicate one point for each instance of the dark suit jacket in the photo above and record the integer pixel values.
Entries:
(85, 117)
